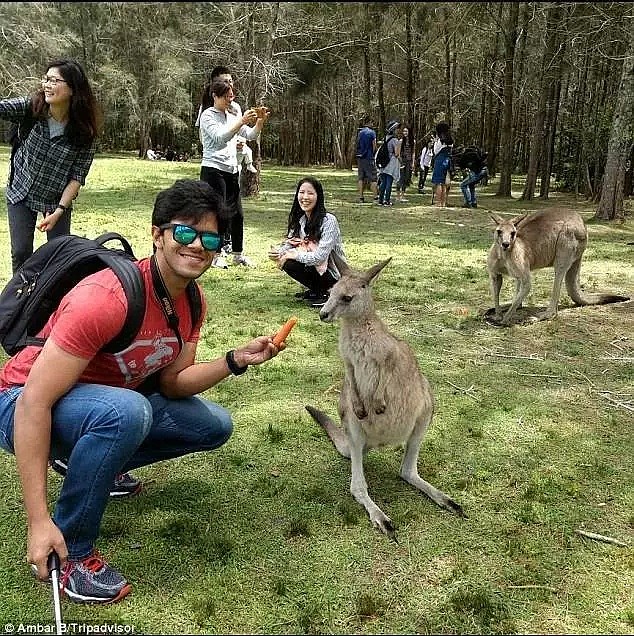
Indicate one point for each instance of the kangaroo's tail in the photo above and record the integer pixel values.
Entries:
(336, 434)
(579, 298)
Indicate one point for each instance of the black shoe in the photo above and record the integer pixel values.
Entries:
(124, 485)
(311, 296)
(474, 205)
(320, 301)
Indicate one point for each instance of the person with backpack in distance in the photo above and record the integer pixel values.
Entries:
(94, 415)
(366, 149)
(53, 146)
(388, 163)
(473, 162)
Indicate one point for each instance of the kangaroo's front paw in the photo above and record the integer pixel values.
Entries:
(379, 407)
(359, 411)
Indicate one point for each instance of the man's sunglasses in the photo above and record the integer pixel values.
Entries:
(186, 235)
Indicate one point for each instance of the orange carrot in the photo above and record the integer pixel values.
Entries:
(282, 334)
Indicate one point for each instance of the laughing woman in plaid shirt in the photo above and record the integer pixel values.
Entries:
(51, 164)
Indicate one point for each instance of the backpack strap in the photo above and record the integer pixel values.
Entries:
(195, 302)
(115, 236)
(134, 288)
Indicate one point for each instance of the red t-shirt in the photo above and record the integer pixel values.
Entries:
(91, 314)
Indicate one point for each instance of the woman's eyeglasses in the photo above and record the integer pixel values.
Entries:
(186, 235)
(53, 81)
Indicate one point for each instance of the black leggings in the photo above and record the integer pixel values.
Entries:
(308, 276)
(227, 185)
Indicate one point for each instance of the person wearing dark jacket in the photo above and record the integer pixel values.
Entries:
(473, 161)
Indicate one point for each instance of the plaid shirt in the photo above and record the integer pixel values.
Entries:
(43, 167)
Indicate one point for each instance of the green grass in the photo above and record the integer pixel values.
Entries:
(262, 535)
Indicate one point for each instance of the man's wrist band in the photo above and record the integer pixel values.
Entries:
(233, 365)
(61, 207)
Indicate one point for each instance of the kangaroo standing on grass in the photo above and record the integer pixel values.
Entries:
(552, 238)
(385, 400)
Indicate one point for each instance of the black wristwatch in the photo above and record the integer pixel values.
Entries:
(233, 365)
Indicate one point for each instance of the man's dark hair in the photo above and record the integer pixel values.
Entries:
(217, 71)
(442, 127)
(189, 200)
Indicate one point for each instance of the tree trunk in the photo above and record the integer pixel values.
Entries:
(506, 141)
(379, 86)
(448, 97)
(537, 138)
(620, 144)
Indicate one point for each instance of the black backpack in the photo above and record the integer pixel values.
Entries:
(382, 157)
(36, 289)
(17, 133)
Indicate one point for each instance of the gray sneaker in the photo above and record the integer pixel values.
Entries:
(92, 580)
(124, 485)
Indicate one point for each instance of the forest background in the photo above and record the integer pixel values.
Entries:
(547, 88)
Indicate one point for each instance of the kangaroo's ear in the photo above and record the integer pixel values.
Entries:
(498, 220)
(373, 272)
(518, 220)
(340, 264)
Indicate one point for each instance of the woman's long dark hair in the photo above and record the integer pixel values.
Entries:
(313, 225)
(408, 141)
(84, 115)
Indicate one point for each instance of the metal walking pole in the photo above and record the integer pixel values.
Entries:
(53, 568)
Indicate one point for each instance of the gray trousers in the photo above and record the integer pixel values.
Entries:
(22, 222)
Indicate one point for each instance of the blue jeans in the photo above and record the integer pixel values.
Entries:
(103, 431)
(468, 185)
(385, 187)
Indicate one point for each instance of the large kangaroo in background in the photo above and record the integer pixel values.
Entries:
(385, 400)
(552, 238)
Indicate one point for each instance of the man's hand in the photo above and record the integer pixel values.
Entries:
(257, 351)
(42, 539)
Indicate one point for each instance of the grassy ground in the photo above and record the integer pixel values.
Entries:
(532, 435)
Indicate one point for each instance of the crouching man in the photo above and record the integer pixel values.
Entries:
(73, 406)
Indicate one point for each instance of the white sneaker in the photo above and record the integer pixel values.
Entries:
(252, 168)
(241, 259)
(219, 262)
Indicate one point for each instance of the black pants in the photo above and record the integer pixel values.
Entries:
(227, 185)
(308, 276)
(422, 177)
(22, 221)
